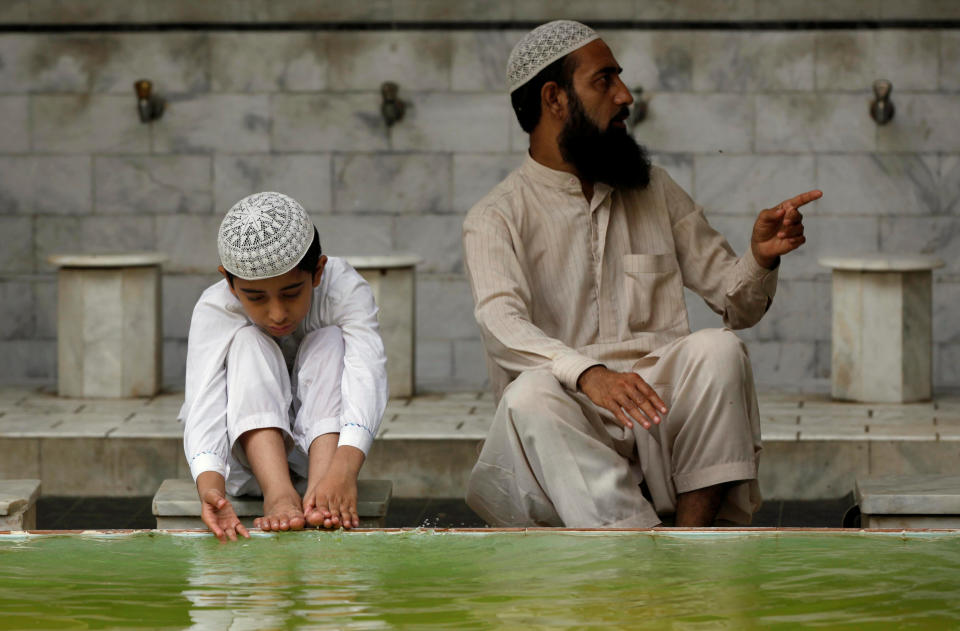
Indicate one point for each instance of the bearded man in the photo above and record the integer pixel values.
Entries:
(610, 412)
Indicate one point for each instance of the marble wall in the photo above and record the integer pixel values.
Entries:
(740, 118)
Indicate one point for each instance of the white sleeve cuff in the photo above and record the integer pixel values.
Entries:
(329, 425)
(357, 436)
(206, 461)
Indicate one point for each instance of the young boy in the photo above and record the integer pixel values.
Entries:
(285, 371)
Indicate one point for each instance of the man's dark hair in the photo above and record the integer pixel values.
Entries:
(309, 261)
(526, 98)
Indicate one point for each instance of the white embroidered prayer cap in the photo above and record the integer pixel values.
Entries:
(544, 45)
(264, 235)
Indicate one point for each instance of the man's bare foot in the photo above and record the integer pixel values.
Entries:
(281, 512)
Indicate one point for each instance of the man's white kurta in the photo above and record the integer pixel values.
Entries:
(342, 299)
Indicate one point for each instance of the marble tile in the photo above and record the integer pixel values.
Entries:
(909, 495)
(446, 11)
(53, 235)
(414, 60)
(703, 123)
(831, 432)
(747, 184)
(728, 61)
(117, 233)
(949, 60)
(845, 60)
(29, 425)
(695, 10)
(923, 122)
(435, 238)
(899, 457)
(328, 122)
(18, 74)
(831, 235)
(878, 184)
(679, 166)
(923, 432)
(21, 457)
(268, 62)
(101, 11)
(127, 467)
(110, 62)
(800, 312)
(144, 426)
(939, 236)
(407, 183)
(946, 304)
(479, 59)
(214, 123)
(454, 122)
(56, 185)
(153, 184)
(445, 427)
(811, 469)
(780, 363)
(434, 361)
(438, 468)
(657, 61)
(87, 124)
(927, 9)
(190, 241)
(28, 361)
(470, 366)
(908, 58)
(17, 254)
(445, 308)
(180, 294)
(813, 122)
(394, 292)
(343, 235)
(15, 12)
(17, 309)
(584, 10)
(328, 10)
(14, 124)
(475, 175)
(950, 184)
(174, 363)
(305, 177)
(817, 10)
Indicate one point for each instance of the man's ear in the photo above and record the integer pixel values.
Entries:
(229, 284)
(553, 99)
(321, 263)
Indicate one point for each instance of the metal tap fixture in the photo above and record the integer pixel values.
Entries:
(149, 105)
(881, 109)
(392, 107)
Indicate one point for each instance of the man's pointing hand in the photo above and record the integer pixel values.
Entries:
(779, 230)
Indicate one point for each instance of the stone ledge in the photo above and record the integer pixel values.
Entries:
(18, 499)
(175, 504)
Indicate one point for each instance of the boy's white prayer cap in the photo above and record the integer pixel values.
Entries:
(264, 235)
(544, 45)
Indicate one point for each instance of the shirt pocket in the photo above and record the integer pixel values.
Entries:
(653, 292)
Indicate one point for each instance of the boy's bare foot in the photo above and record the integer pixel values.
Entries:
(281, 512)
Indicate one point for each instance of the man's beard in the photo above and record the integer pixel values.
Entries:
(612, 156)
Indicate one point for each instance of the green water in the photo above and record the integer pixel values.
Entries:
(422, 579)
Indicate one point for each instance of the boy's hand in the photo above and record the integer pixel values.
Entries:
(331, 498)
(218, 514)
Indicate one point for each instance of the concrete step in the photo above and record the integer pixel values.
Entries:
(18, 504)
(814, 448)
(176, 505)
(912, 501)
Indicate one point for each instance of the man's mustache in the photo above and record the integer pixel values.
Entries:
(622, 114)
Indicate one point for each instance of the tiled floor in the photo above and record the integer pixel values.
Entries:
(71, 513)
(784, 417)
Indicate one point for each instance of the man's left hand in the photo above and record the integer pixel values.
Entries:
(779, 230)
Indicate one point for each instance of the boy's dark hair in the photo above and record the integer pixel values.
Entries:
(309, 261)
(526, 98)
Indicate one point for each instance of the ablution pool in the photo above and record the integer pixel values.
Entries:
(764, 579)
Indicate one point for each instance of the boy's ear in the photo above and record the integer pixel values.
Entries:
(321, 262)
(229, 284)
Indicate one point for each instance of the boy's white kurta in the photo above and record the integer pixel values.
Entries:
(342, 299)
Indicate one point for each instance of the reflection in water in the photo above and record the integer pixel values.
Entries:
(322, 580)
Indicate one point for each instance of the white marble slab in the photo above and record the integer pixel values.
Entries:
(129, 259)
(877, 262)
(909, 495)
(17, 495)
